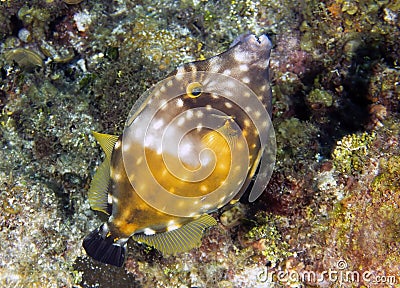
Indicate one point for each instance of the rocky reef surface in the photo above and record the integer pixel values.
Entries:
(331, 213)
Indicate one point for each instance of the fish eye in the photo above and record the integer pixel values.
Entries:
(194, 89)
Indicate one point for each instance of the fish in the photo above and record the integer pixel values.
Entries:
(192, 144)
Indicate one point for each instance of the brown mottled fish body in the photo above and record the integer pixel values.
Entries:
(172, 212)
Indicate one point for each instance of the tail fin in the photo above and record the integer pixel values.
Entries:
(103, 247)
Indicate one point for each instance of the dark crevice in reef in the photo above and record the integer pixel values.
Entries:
(351, 114)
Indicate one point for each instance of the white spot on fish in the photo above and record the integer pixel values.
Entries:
(115, 200)
(246, 80)
(149, 141)
(179, 103)
(185, 149)
(149, 231)
(163, 104)
(180, 69)
(159, 123)
(173, 227)
(228, 105)
(244, 67)
(222, 166)
(189, 114)
(228, 93)
(180, 121)
(240, 56)
(214, 68)
(118, 144)
(199, 114)
(126, 147)
(139, 160)
(227, 72)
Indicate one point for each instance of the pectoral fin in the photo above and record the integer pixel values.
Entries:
(98, 192)
(179, 240)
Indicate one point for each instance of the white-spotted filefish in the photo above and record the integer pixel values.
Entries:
(192, 144)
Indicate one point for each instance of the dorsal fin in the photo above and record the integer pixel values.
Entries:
(179, 240)
(106, 141)
(98, 192)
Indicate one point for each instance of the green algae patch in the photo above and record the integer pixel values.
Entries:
(320, 97)
(265, 237)
(295, 142)
(389, 178)
(350, 153)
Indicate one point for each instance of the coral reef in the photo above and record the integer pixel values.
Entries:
(364, 226)
(70, 67)
(350, 152)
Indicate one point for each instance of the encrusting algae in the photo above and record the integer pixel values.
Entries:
(351, 151)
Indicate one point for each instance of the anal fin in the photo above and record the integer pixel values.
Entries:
(179, 240)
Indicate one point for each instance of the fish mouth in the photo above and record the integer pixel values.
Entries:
(258, 41)
(253, 41)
